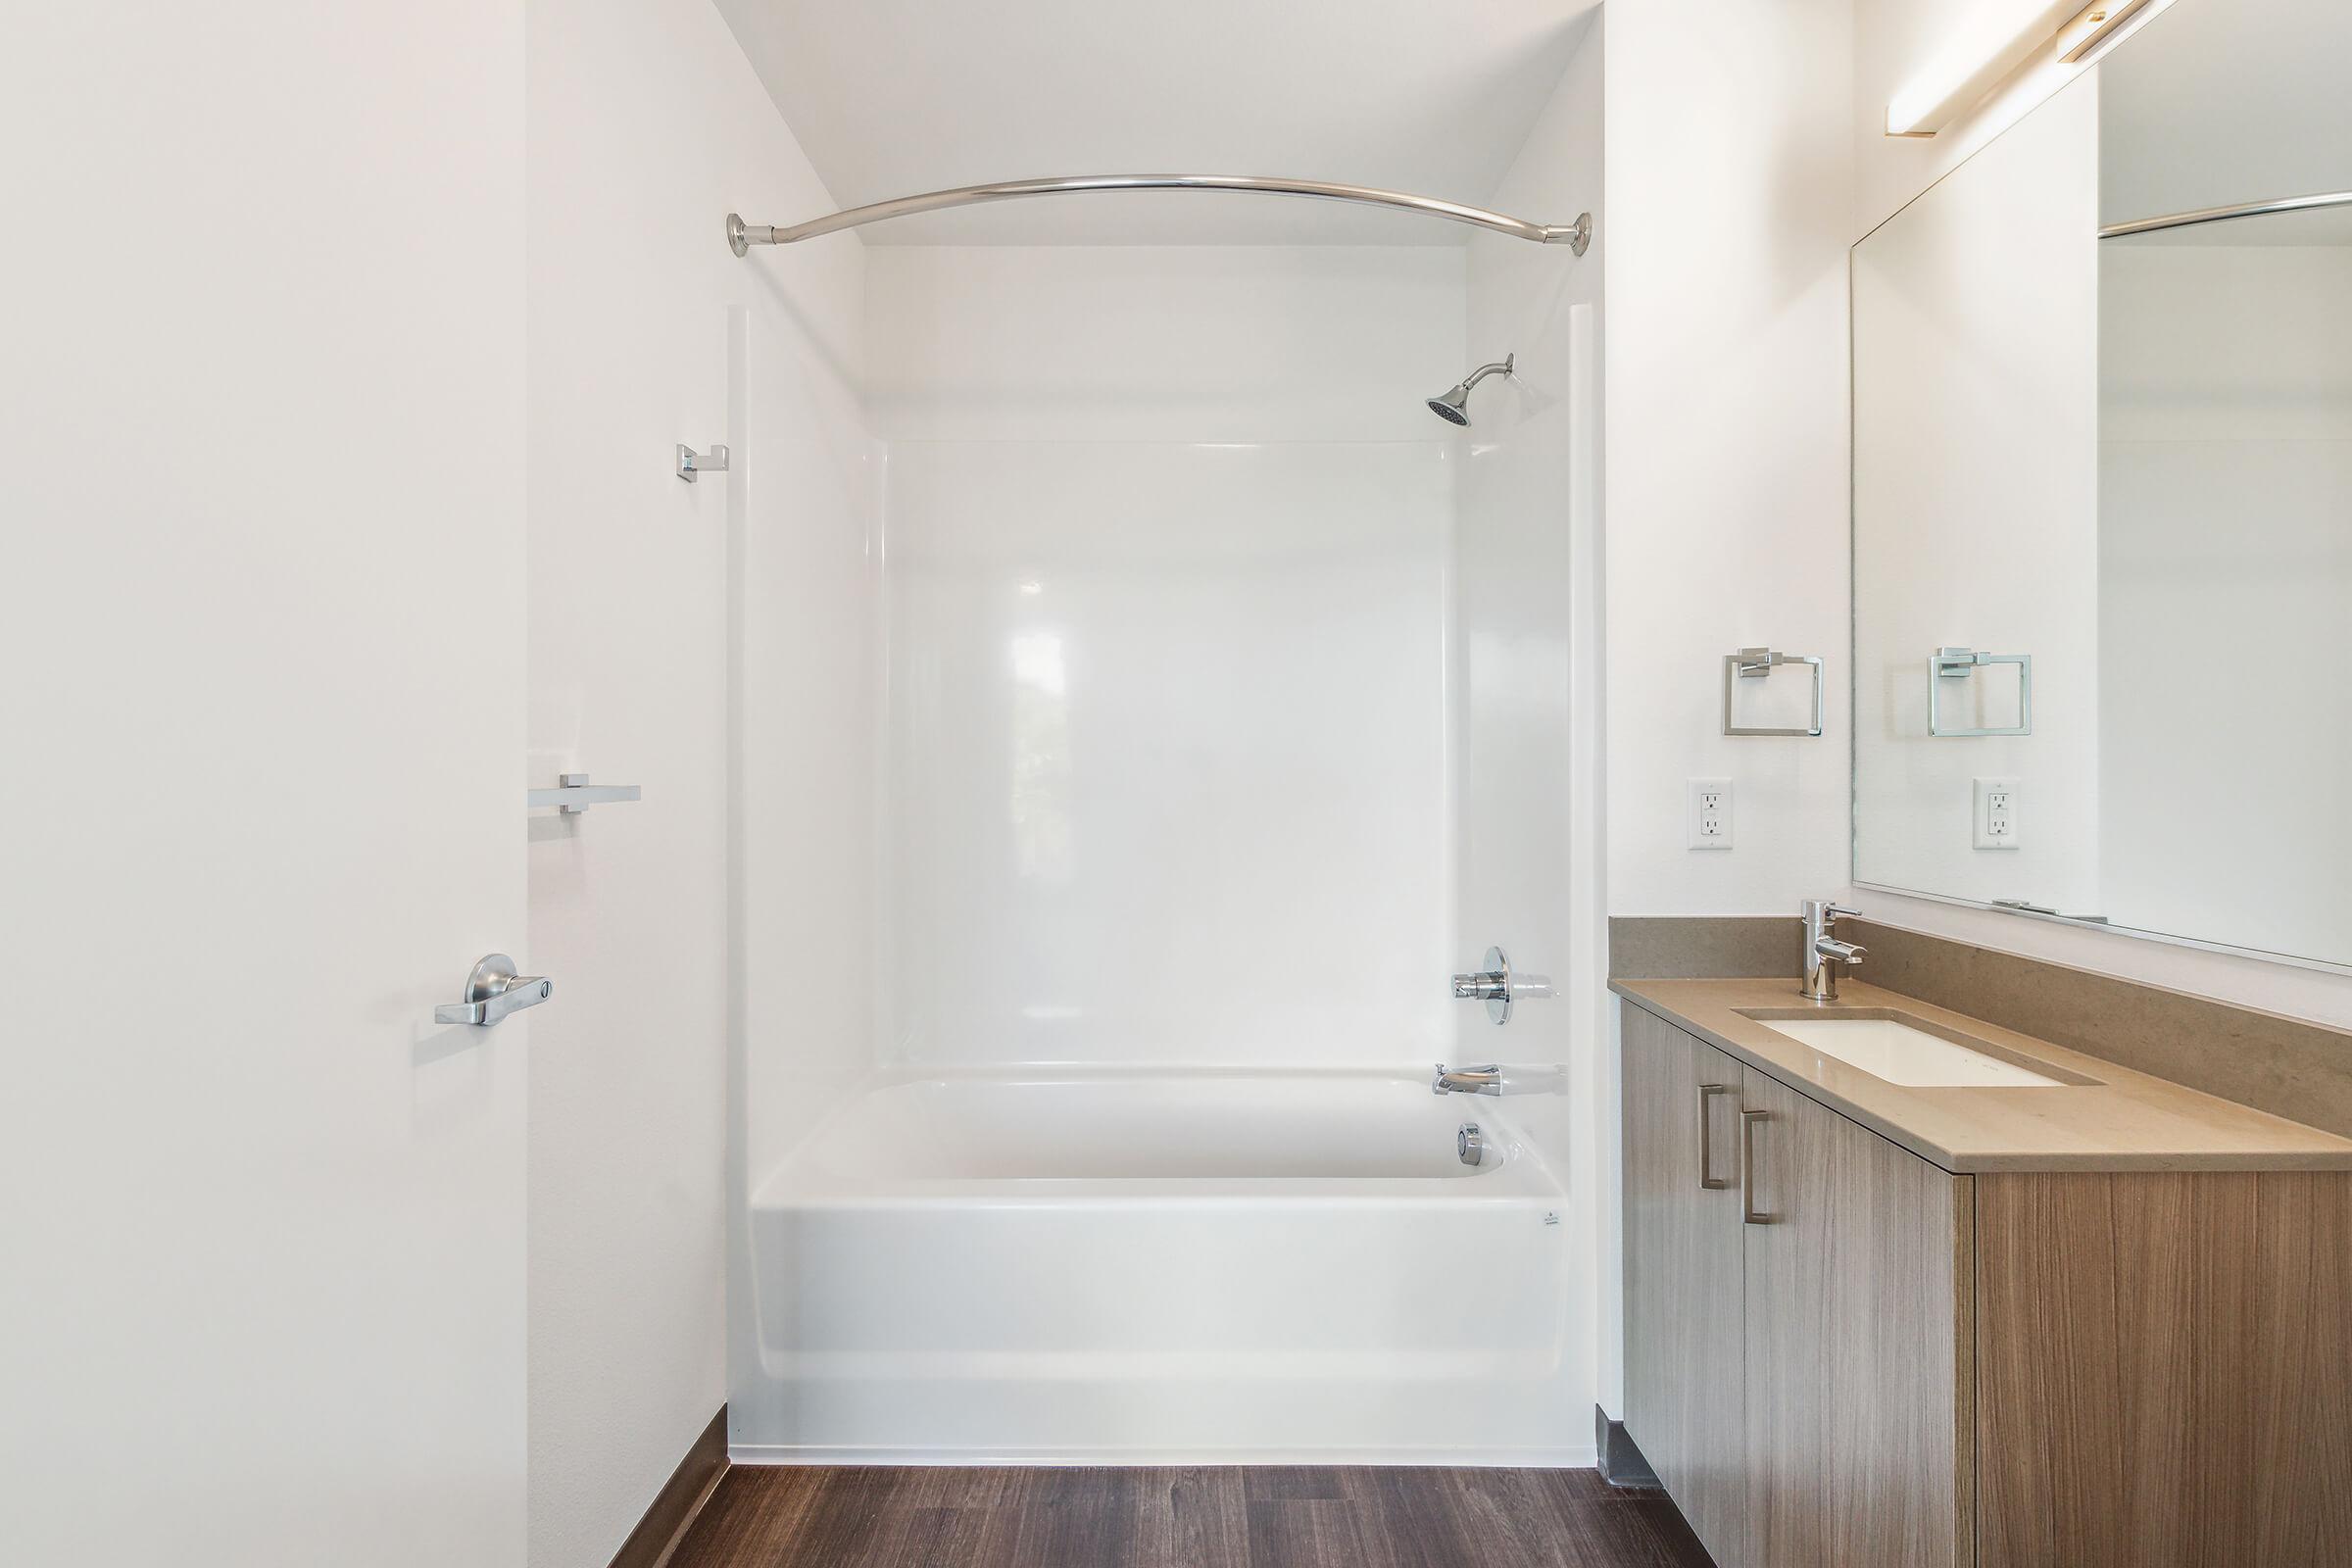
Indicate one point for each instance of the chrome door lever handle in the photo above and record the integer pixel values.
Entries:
(492, 991)
(528, 991)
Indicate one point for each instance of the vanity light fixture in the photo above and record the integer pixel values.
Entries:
(2102, 27)
(2056, 41)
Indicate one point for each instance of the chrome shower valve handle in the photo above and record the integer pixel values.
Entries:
(1498, 987)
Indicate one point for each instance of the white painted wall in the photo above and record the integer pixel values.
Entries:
(1975, 494)
(262, 612)
(1169, 532)
(1527, 685)
(646, 127)
(1729, 159)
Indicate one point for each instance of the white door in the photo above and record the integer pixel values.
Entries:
(261, 773)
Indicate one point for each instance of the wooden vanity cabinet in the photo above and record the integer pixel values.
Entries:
(1855, 1358)
(1796, 1342)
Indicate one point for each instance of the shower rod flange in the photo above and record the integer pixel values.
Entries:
(742, 236)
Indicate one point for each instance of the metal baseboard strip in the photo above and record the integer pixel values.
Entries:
(680, 1500)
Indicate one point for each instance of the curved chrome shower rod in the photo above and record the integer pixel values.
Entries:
(742, 236)
(2223, 214)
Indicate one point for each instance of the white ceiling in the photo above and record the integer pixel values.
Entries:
(892, 97)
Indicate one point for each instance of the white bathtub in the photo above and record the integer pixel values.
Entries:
(1174, 1266)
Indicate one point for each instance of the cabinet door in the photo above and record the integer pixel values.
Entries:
(1858, 1364)
(2167, 1377)
(1683, 1273)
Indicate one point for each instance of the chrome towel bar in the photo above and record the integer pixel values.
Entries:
(2223, 214)
(1755, 664)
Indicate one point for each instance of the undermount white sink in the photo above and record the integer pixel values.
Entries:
(1893, 1050)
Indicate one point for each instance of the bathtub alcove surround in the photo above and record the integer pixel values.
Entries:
(1148, 1166)
(1205, 662)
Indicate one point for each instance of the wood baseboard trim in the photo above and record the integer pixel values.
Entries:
(674, 1508)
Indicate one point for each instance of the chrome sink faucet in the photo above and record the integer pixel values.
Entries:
(1824, 955)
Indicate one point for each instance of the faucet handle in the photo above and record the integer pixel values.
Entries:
(1497, 985)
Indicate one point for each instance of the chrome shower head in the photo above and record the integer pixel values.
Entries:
(1450, 407)
(1453, 405)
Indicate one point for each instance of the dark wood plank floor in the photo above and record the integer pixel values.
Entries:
(1306, 1517)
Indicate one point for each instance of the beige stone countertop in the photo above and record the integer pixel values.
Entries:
(2099, 1117)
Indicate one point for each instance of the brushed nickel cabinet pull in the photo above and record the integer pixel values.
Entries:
(1747, 1168)
(1706, 1141)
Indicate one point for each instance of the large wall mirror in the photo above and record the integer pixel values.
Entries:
(2103, 499)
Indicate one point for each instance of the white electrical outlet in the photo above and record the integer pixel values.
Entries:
(1710, 814)
(1996, 813)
